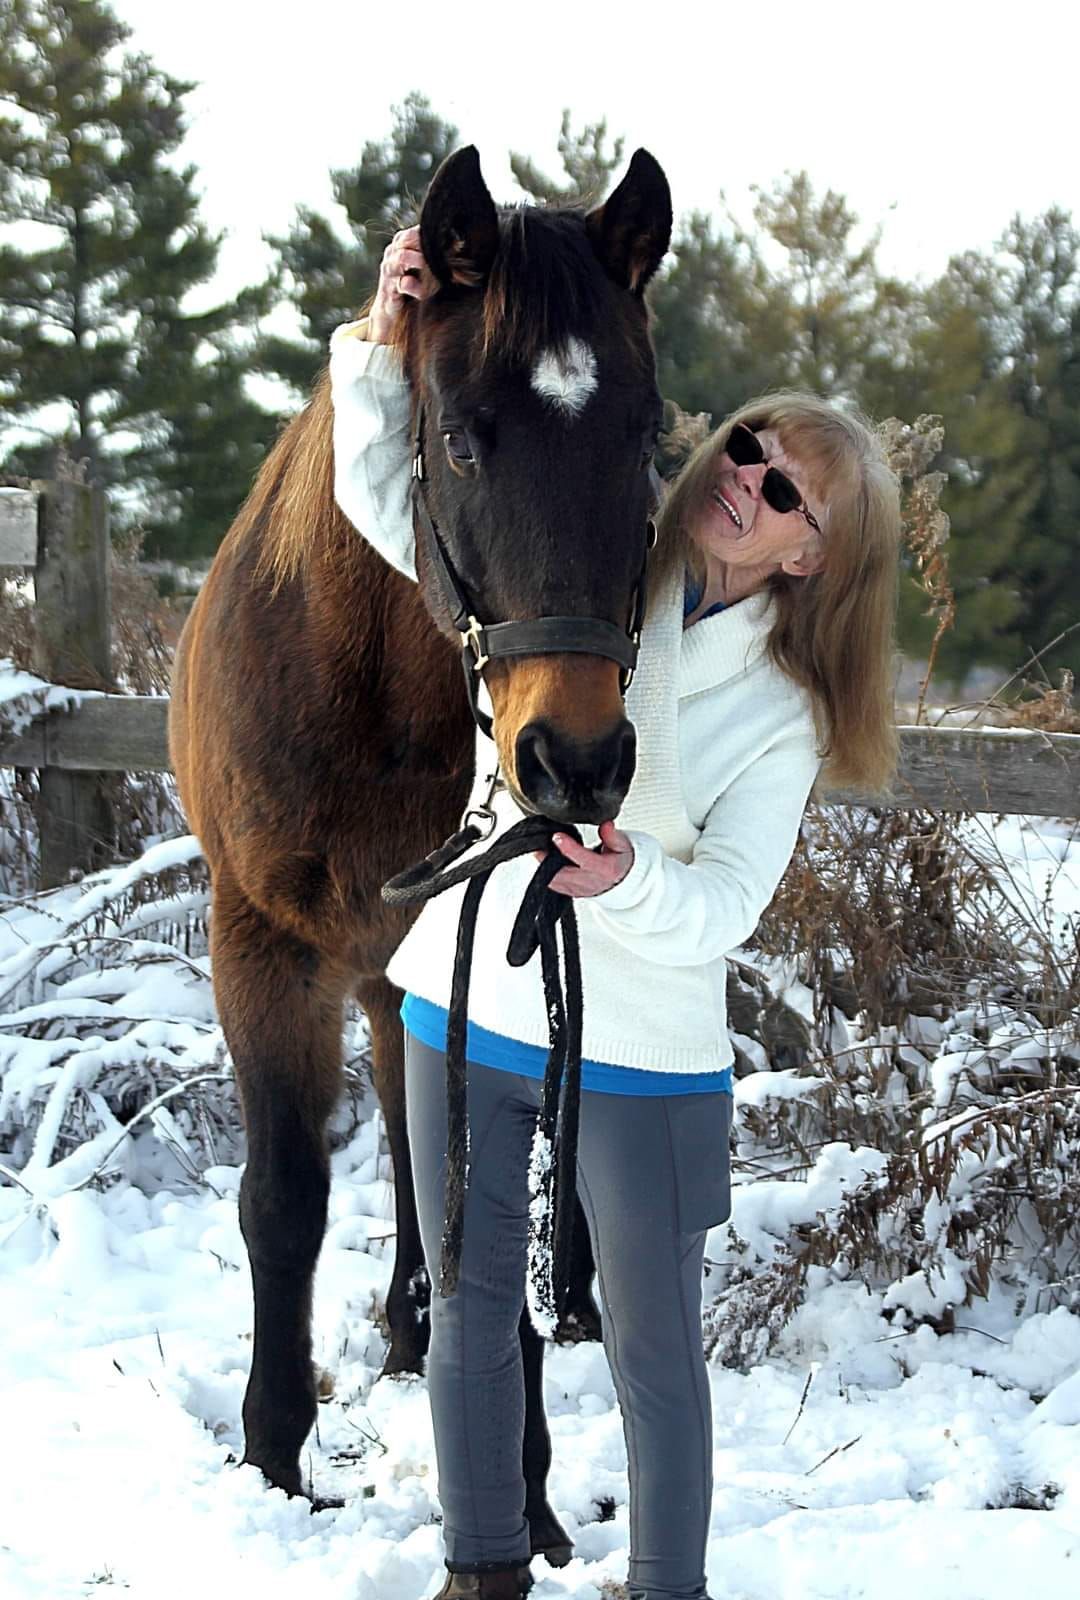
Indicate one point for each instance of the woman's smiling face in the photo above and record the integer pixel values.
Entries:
(739, 528)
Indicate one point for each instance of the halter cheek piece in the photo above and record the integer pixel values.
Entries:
(483, 642)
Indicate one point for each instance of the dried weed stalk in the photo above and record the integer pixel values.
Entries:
(911, 448)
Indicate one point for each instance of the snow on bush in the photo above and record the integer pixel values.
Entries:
(912, 1124)
(917, 982)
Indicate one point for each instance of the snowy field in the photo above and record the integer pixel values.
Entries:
(866, 1457)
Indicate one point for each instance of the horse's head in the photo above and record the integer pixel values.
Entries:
(536, 401)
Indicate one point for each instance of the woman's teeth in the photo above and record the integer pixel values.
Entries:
(727, 506)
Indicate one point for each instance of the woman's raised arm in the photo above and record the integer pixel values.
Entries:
(372, 447)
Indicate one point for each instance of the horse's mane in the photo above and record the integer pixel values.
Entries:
(545, 287)
(291, 508)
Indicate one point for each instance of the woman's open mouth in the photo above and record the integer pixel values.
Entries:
(729, 510)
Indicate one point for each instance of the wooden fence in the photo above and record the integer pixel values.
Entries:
(59, 531)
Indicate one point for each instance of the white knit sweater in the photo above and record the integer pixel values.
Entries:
(726, 758)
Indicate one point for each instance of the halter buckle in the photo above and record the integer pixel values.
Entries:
(486, 825)
(470, 639)
(485, 811)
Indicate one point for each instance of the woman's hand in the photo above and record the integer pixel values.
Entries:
(403, 274)
(590, 873)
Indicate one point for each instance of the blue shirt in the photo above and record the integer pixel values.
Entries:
(692, 598)
(427, 1022)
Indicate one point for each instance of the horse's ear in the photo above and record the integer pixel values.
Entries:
(459, 228)
(631, 231)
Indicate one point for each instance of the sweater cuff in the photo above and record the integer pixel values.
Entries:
(353, 356)
(629, 891)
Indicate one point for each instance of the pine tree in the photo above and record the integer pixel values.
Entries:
(1042, 281)
(720, 327)
(587, 163)
(328, 272)
(999, 359)
(848, 322)
(737, 316)
(96, 350)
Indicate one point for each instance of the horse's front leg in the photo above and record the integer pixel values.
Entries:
(281, 1009)
(547, 1535)
(581, 1318)
(409, 1296)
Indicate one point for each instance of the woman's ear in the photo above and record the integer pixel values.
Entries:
(810, 559)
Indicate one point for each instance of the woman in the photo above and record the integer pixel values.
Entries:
(767, 651)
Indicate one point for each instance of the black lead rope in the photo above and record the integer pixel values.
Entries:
(553, 1168)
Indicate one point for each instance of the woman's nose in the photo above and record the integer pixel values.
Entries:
(749, 478)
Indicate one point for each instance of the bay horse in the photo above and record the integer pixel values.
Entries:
(321, 733)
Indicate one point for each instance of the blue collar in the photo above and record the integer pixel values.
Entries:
(692, 598)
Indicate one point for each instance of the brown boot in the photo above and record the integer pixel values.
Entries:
(506, 1585)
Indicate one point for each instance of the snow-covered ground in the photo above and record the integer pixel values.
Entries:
(858, 1460)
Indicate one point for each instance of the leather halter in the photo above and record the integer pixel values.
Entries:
(483, 642)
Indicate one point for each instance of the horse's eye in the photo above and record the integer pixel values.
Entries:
(458, 447)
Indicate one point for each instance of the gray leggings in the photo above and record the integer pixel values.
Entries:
(653, 1175)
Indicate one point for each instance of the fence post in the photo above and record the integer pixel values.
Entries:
(72, 647)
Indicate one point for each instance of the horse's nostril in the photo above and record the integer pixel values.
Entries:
(623, 758)
(574, 781)
(535, 760)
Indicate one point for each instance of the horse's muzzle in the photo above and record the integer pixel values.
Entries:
(570, 780)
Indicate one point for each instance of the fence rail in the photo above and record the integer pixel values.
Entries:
(1007, 770)
(101, 733)
(60, 531)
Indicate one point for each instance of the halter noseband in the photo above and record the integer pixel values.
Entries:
(483, 642)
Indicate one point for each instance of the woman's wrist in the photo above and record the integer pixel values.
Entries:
(378, 324)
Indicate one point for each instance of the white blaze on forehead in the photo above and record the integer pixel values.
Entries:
(566, 376)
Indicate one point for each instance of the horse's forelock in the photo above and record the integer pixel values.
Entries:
(545, 288)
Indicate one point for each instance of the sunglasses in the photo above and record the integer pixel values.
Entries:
(777, 490)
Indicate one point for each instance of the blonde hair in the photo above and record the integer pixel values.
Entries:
(833, 631)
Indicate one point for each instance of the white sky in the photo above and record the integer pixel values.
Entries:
(938, 119)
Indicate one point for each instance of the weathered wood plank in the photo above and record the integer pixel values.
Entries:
(72, 614)
(107, 733)
(18, 528)
(1011, 770)
(944, 769)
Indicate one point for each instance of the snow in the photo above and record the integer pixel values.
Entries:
(785, 1085)
(24, 697)
(867, 1456)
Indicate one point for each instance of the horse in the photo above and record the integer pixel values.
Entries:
(321, 727)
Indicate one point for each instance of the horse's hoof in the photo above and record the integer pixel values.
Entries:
(402, 1364)
(557, 1555)
(278, 1477)
(548, 1537)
